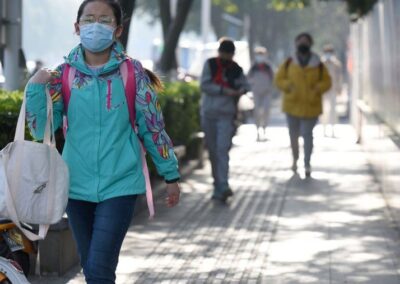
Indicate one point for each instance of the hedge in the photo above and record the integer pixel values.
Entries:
(179, 101)
(10, 103)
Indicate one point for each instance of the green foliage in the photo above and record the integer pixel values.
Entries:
(229, 6)
(236, 6)
(10, 103)
(355, 7)
(281, 5)
(180, 105)
(359, 8)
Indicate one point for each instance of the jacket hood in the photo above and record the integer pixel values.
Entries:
(76, 59)
(314, 61)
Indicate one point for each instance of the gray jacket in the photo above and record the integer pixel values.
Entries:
(215, 101)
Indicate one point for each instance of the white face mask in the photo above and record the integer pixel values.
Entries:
(96, 37)
(328, 55)
(260, 58)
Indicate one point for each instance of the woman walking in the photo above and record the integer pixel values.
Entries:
(102, 147)
(303, 79)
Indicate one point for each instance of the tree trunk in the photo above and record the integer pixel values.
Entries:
(166, 23)
(170, 44)
(128, 6)
(165, 15)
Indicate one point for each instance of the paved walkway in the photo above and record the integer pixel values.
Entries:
(278, 228)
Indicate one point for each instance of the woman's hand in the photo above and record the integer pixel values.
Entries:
(173, 192)
(43, 76)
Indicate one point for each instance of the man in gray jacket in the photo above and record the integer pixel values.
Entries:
(222, 83)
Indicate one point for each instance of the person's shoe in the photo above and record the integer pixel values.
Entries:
(228, 192)
(219, 198)
(215, 197)
(308, 171)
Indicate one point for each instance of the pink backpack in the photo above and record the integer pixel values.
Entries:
(127, 71)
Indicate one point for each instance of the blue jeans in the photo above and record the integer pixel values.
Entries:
(99, 229)
(218, 137)
(303, 126)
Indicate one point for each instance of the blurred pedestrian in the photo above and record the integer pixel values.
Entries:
(102, 148)
(222, 83)
(261, 76)
(303, 79)
(329, 103)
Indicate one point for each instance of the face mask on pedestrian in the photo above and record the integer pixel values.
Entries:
(303, 48)
(96, 37)
(328, 55)
(259, 58)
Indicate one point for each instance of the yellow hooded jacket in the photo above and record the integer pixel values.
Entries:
(303, 87)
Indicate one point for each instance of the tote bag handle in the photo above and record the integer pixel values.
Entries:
(48, 137)
(49, 140)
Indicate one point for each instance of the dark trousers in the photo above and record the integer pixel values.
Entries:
(99, 229)
(304, 127)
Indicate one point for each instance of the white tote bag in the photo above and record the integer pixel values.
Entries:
(34, 179)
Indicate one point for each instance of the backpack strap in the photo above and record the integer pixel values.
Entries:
(127, 71)
(66, 84)
(67, 80)
(321, 70)
(287, 64)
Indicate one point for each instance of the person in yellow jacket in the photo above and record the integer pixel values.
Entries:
(303, 79)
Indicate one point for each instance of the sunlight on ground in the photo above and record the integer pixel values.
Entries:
(344, 134)
(281, 227)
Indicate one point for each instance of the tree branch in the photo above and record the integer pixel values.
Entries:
(170, 44)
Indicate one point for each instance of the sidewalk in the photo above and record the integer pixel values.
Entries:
(278, 228)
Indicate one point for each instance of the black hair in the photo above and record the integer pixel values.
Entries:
(114, 5)
(226, 45)
(306, 35)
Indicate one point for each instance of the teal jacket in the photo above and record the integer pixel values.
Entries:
(101, 149)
